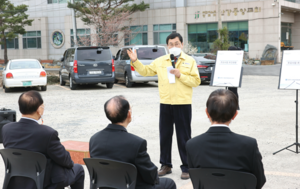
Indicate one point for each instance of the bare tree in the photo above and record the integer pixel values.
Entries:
(110, 24)
(189, 48)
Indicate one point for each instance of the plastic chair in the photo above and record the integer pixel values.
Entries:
(206, 178)
(110, 174)
(25, 164)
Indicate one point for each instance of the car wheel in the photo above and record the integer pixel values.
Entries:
(109, 85)
(127, 82)
(61, 81)
(44, 88)
(72, 85)
(6, 90)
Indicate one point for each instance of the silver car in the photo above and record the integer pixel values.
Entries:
(146, 54)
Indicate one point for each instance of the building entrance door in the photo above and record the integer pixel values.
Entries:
(286, 34)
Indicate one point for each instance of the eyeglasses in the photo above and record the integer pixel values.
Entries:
(177, 44)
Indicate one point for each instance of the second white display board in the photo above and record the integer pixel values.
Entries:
(228, 69)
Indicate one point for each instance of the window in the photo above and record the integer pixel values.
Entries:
(238, 34)
(150, 53)
(93, 54)
(139, 36)
(286, 34)
(32, 40)
(11, 43)
(203, 35)
(124, 55)
(70, 55)
(15, 65)
(60, 1)
(161, 32)
(83, 37)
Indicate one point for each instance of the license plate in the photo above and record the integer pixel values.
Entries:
(95, 72)
(26, 83)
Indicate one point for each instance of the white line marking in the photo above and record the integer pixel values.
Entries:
(120, 85)
(63, 87)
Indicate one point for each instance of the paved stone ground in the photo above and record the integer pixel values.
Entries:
(263, 70)
(267, 114)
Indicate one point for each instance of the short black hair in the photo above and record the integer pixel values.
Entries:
(29, 102)
(120, 111)
(234, 48)
(222, 105)
(173, 36)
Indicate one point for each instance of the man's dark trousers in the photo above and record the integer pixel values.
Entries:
(181, 115)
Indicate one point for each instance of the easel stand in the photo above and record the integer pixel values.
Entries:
(296, 143)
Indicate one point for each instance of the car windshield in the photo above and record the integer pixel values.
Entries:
(150, 53)
(93, 55)
(16, 65)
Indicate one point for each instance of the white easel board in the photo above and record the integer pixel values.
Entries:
(228, 69)
(289, 77)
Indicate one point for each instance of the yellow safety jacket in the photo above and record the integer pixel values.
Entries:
(176, 93)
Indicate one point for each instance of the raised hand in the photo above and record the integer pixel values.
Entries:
(132, 55)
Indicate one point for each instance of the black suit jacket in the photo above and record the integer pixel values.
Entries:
(115, 143)
(223, 149)
(29, 135)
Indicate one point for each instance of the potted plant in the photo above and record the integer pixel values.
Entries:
(257, 60)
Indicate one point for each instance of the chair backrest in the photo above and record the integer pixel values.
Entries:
(110, 174)
(24, 163)
(208, 178)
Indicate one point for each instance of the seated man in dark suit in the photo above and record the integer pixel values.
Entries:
(219, 147)
(28, 134)
(115, 143)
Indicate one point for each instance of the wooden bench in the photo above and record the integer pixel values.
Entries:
(78, 150)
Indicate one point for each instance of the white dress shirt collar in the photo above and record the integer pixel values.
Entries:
(218, 125)
(30, 119)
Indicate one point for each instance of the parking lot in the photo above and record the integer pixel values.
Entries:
(267, 114)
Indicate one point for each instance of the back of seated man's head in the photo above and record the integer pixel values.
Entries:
(117, 110)
(31, 105)
(30, 102)
(222, 106)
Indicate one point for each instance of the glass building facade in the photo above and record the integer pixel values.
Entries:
(202, 36)
(286, 34)
(139, 35)
(161, 32)
(32, 40)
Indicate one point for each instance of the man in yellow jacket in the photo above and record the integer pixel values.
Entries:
(175, 99)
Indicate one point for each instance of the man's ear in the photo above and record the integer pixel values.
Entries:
(40, 111)
(208, 116)
(236, 113)
(129, 114)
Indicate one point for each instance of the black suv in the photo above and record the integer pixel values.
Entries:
(87, 65)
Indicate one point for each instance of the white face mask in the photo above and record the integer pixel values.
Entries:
(175, 51)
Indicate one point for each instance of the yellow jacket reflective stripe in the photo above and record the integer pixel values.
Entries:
(179, 92)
